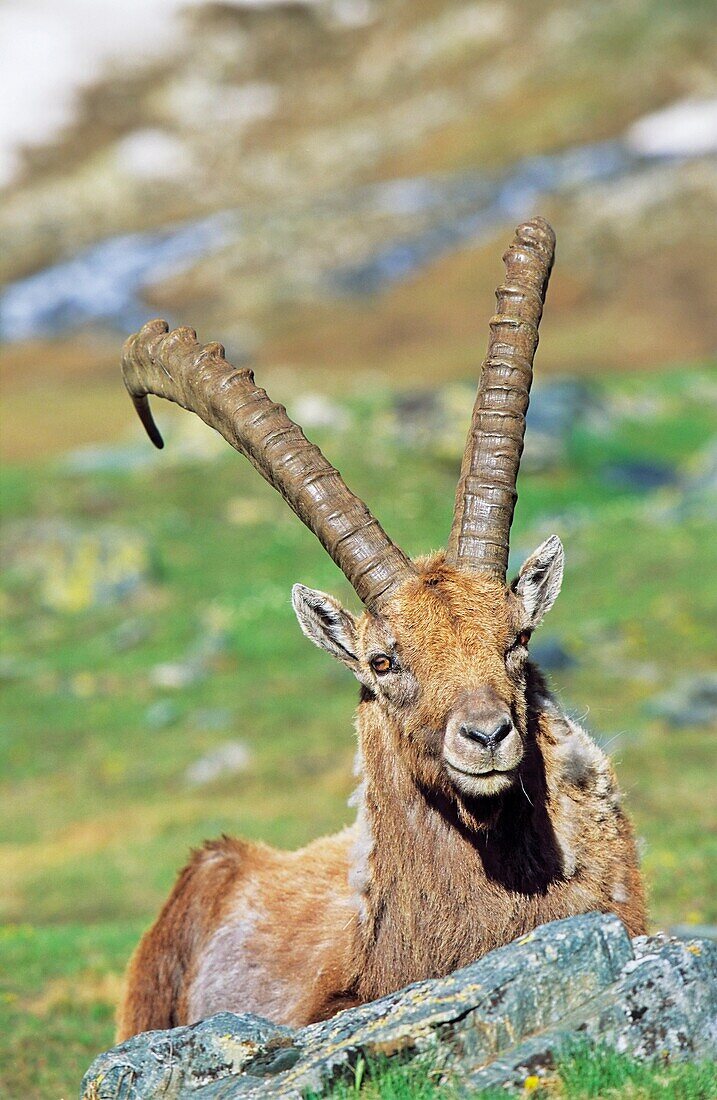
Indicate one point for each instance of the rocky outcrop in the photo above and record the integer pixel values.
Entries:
(494, 1022)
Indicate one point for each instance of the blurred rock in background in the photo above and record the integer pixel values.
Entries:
(75, 568)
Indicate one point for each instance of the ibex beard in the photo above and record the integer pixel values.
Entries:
(482, 811)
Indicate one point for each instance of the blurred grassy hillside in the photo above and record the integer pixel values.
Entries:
(158, 690)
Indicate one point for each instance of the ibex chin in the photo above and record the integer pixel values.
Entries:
(482, 810)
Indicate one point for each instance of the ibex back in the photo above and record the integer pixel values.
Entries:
(482, 811)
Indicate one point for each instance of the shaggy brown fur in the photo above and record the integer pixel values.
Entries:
(456, 848)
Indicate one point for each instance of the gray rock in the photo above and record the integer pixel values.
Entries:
(225, 760)
(693, 931)
(552, 656)
(663, 1006)
(690, 702)
(103, 282)
(211, 718)
(176, 675)
(189, 443)
(491, 1023)
(112, 457)
(448, 212)
(178, 1062)
(697, 495)
(639, 476)
(211, 640)
(437, 420)
(556, 408)
(11, 668)
(161, 714)
(128, 635)
(314, 410)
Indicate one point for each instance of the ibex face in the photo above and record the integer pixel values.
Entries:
(445, 661)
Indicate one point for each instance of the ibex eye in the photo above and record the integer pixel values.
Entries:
(381, 663)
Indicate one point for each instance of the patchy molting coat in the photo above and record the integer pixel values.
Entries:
(426, 880)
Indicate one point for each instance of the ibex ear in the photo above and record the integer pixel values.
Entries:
(538, 583)
(326, 623)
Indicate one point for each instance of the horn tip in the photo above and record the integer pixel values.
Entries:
(536, 231)
(144, 412)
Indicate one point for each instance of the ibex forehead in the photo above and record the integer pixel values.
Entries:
(441, 602)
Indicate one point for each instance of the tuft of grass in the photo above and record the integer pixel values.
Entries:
(396, 1078)
(583, 1073)
(602, 1074)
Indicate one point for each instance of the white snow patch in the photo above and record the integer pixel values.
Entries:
(51, 49)
(153, 155)
(686, 128)
(193, 100)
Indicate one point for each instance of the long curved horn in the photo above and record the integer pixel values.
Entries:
(197, 377)
(486, 493)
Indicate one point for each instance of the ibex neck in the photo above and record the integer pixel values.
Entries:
(423, 874)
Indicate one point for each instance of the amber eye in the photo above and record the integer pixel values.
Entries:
(381, 663)
(523, 638)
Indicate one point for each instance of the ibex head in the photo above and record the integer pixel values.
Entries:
(445, 659)
(441, 648)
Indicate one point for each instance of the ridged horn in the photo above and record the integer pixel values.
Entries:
(486, 492)
(175, 366)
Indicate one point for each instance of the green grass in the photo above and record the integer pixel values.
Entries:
(584, 1074)
(97, 816)
(605, 1075)
(58, 987)
(391, 1079)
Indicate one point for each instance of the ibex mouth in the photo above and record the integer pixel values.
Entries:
(480, 774)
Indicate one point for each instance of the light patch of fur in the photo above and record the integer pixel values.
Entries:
(566, 836)
(359, 874)
(581, 762)
(581, 768)
(215, 987)
(620, 894)
(580, 759)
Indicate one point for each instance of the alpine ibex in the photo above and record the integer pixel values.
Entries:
(482, 810)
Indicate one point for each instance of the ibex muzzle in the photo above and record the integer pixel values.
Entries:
(483, 745)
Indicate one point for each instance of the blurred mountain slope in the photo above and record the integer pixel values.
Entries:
(323, 130)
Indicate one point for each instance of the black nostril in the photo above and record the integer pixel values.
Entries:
(501, 731)
(473, 734)
(486, 739)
